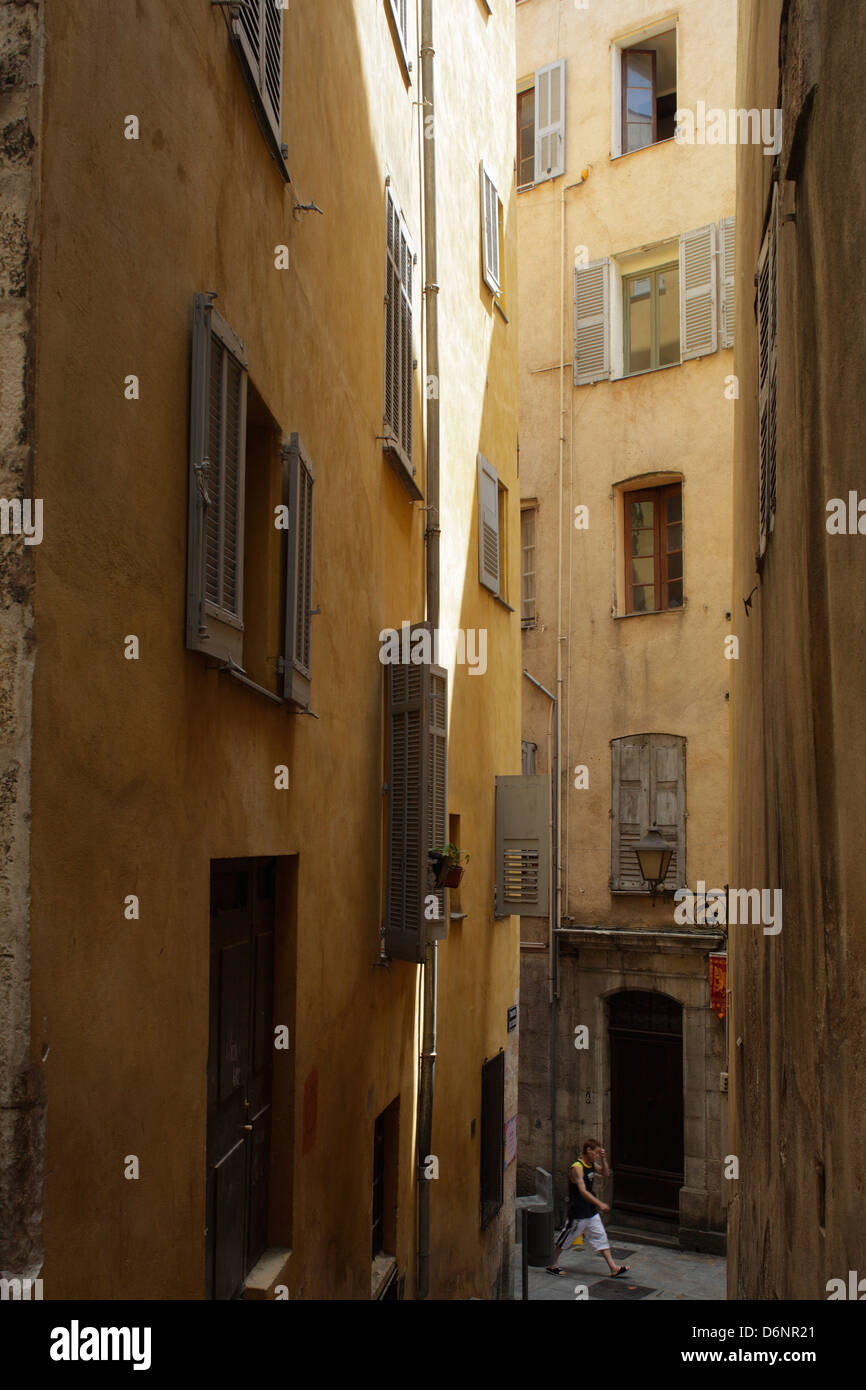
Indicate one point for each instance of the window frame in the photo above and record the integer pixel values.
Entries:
(255, 69)
(491, 237)
(398, 15)
(398, 440)
(626, 278)
(624, 123)
(619, 47)
(556, 171)
(658, 495)
(528, 91)
(528, 621)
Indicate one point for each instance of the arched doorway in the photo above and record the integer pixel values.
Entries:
(646, 1094)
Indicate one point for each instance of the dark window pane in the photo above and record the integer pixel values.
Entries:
(675, 594)
(674, 507)
(669, 317)
(642, 513)
(675, 537)
(643, 599)
(642, 542)
(675, 566)
(642, 571)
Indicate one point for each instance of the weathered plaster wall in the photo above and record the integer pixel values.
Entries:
(22, 1114)
(799, 1062)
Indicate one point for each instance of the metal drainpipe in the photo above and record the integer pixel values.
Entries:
(431, 537)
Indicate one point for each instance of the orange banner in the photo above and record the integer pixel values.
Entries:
(718, 984)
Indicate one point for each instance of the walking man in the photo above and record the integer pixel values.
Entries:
(583, 1208)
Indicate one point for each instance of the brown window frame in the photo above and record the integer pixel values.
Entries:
(527, 92)
(661, 578)
(651, 53)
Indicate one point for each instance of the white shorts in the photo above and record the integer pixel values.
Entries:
(593, 1226)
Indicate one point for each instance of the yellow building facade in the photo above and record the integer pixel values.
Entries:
(229, 391)
(626, 235)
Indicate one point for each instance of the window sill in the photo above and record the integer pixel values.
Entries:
(458, 916)
(238, 674)
(503, 602)
(402, 467)
(647, 371)
(265, 1276)
(624, 154)
(499, 307)
(651, 613)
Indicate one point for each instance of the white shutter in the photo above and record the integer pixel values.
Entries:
(767, 355)
(591, 322)
(488, 525)
(258, 33)
(399, 348)
(667, 800)
(727, 242)
(489, 231)
(698, 299)
(648, 787)
(550, 121)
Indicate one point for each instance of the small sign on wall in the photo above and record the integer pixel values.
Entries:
(510, 1140)
(512, 1018)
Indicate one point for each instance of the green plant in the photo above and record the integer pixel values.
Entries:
(449, 851)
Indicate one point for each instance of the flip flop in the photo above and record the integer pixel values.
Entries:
(550, 1270)
(623, 1269)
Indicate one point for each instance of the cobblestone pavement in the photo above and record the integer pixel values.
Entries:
(655, 1273)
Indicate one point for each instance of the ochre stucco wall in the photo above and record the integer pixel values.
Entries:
(146, 771)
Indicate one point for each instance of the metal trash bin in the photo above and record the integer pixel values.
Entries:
(538, 1221)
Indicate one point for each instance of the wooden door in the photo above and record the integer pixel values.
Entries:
(646, 1080)
(240, 1062)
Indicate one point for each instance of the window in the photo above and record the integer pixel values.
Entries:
(257, 35)
(768, 332)
(527, 573)
(417, 712)
(528, 752)
(647, 92)
(654, 549)
(240, 552)
(386, 1132)
(491, 215)
(492, 516)
(398, 13)
(492, 1137)
(399, 346)
(541, 126)
(648, 787)
(673, 300)
(651, 303)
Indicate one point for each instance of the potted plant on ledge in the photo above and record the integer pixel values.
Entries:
(448, 866)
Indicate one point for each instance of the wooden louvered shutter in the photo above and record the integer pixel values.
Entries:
(630, 809)
(523, 846)
(727, 245)
(489, 231)
(488, 525)
(648, 788)
(698, 299)
(399, 348)
(417, 801)
(550, 121)
(667, 800)
(258, 32)
(216, 485)
(767, 375)
(298, 495)
(591, 322)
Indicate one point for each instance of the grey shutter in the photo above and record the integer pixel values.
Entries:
(550, 121)
(298, 479)
(399, 359)
(523, 846)
(698, 299)
(630, 809)
(591, 322)
(258, 32)
(667, 800)
(417, 801)
(488, 525)
(727, 245)
(489, 231)
(648, 787)
(767, 375)
(215, 521)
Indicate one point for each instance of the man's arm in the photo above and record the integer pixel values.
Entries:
(604, 1170)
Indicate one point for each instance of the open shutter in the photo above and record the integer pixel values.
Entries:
(215, 518)
(523, 846)
(767, 309)
(698, 315)
(630, 809)
(727, 242)
(489, 231)
(298, 478)
(488, 525)
(258, 33)
(667, 800)
(550, 121)
(417, 802)
(591, 322)
(399, 359)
